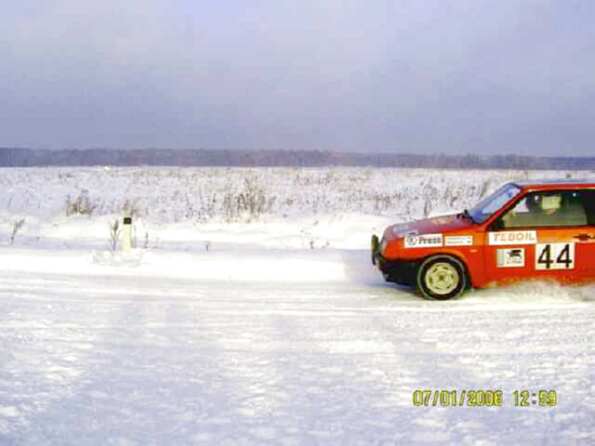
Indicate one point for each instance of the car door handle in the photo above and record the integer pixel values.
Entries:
(584, 237)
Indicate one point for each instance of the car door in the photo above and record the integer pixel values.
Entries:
(540, 237)
(508, 248)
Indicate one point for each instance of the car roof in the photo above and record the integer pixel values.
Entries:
(565, 183)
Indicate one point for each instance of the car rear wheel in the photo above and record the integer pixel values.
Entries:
(441, 278)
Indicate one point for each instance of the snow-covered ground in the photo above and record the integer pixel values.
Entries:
(266, 327)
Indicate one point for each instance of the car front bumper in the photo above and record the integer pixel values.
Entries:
(398, 271)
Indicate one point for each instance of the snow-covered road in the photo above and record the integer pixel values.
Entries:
(170, 351)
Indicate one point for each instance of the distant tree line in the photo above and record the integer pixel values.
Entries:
(24, 157)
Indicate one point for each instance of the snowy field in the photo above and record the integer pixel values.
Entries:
(249, 314)
(264, 207)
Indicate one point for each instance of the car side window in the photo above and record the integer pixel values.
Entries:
(589, 204)
(545, 209)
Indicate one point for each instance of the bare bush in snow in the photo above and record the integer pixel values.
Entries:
(249, 203)
(114, 234)
(131, 208)
(16, 227)
(80, 205)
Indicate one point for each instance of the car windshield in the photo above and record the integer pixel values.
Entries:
(490, 204)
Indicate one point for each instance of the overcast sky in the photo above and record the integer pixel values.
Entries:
(498, 76)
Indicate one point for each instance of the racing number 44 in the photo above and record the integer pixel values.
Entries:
(550, 256)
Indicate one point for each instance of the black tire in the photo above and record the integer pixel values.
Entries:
(441, 277)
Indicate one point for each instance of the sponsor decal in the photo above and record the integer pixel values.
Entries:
(458, 240)
(510, 258)
(423, 241)
(513, 238)
(552, 256)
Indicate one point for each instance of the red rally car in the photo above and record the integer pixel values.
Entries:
(524, 230)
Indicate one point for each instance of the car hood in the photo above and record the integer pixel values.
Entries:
(434, 225)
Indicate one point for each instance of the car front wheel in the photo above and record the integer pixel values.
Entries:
(441, 277)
